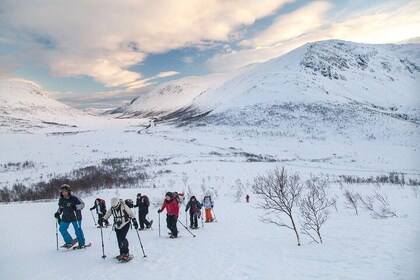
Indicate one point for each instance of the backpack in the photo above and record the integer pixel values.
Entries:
(129, 203)
(146, 199)
(103, 202)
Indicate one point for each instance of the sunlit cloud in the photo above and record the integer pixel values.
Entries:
(103, 41)
(166, 74)
(293, 25)
(390, 23)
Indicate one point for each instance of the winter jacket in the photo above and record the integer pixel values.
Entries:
(122, 214)
(71, 208)
(207, 202)
(143, 204)
(172, 207)
(100, 208)
(193, 206)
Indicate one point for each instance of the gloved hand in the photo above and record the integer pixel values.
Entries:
(92, 208)
(159, 211)
(135, 224)
(57, 215)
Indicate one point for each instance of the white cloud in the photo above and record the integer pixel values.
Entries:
(389, 23)
(293, 25)
(166, 74)
(103, 39)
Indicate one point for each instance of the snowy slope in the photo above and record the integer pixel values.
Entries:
(384, 78)
(237, 247)
(24, 107)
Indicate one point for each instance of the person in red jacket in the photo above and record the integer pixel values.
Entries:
(172, 211)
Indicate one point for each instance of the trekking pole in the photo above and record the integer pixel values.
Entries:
(103, 247)
(141, 244)
(56, 232)
(186, 221)
(186, 228)
(93, 217)
(159, 224)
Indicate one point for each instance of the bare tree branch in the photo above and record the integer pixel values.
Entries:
(279, 192)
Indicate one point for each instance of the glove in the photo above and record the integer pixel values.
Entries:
(135, 224)
(159, 211)
(92, 208)
(186, 210)
(57, 215)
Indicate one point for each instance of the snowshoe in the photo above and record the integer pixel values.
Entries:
(82, 246)
(69, 245)
(125, 258)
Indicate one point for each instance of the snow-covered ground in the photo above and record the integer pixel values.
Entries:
(238, 246)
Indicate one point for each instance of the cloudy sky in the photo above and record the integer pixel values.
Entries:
(98, 53)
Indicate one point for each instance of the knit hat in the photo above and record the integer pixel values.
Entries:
(169, 194)
(65, 187)
(139, 194)
(114, 202)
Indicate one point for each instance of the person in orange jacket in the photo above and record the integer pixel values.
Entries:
(208, 205)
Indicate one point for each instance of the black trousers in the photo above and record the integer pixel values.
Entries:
(193, 220)
(142, 219)
(101, 221)
(121, 238)
(171, 222)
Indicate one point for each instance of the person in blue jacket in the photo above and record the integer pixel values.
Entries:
(195, 211)
(70, 209)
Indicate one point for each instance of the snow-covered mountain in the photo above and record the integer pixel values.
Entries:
(384, 78)
(24, 106)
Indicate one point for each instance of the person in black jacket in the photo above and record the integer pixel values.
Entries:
(143, 203)
(101, 211)
(195, 211)
(70, 207)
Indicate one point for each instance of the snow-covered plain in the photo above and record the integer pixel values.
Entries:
(238, 246)
(310, 127)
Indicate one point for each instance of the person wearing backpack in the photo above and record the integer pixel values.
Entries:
(100, 207)
(143, 203)
(122, 215)
(70, 207)
(194, 205)
(172, 212)
(208, 205)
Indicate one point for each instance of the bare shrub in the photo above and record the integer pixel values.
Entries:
(352, 201)
(314, 208)
(239, 190)
(110, 173)
(279, 192)
(415, 191)
(381, 211)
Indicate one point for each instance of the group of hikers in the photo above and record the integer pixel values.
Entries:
(70, 207)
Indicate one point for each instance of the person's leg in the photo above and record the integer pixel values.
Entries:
(142, 219)
(195, 221)
(79, 232)
(64, 233)
(100, 221)
(191, 220)
(122, 240)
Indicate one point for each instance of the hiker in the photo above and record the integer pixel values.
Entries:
(70, 207)
(143, 203)
(208, 205)
(195, 211)
(172, 211)
(180, 198)
(100, 207)
(247, 198)
(122, 215)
